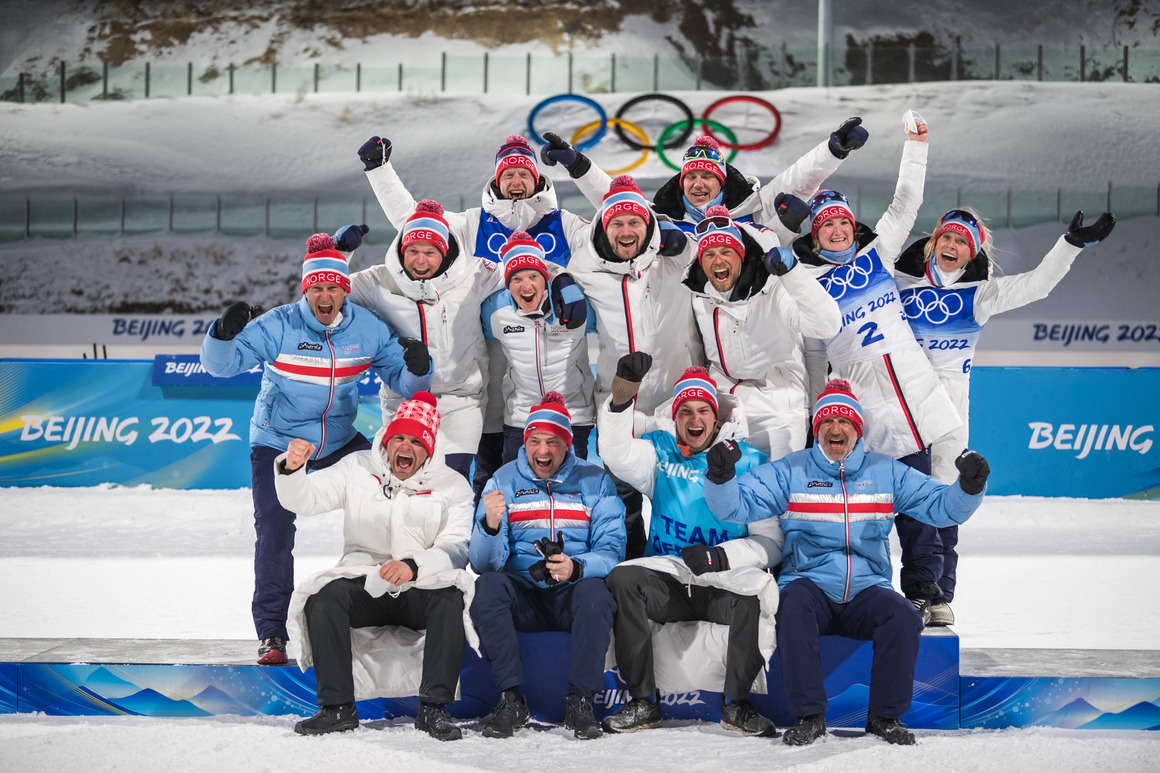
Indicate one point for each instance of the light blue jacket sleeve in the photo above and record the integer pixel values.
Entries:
(489, 307)
(925, 499)
(260, 341)
(761, 493)
(392, 368)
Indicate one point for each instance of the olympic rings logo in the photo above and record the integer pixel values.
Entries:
(932, 305)
(673, 136)
(496, 241)
(853, 276)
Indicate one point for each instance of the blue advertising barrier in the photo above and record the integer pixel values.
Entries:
(1078, 432)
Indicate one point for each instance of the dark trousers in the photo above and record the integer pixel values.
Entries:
(343, 604)
(923, 550)
(274, 540)
(461, 463)
(643, 594)
(876, 614)
(506, 603)
(637, 540)
(488, 459)
(513, 438)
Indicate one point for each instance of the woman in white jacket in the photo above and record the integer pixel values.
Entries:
(406, 532)
(428, 288)
(949, 291)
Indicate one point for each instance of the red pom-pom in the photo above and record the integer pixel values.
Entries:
(695, 370)
(708, 141)
(624, 181)
(427, 205)
(839, 385)
(515, 139)
(554, 397)
(319, 242)
(717, 210)
(425, 397)
(520, 235)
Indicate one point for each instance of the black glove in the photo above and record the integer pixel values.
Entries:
(233, 319)
(702, 558)
(374, 153)
(722, 460)
(779, 261)
(1080, 235)
(568, 302)
(849, 136)
(973, 471)
(557, 151)
(791, 210)
(349, 237)
(673, 239)
(415, 356)
(546, 548)
(634, 366)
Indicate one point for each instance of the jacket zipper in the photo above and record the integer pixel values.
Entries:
(330, 401)
(551, 511)
(846, 514)
(541, 330)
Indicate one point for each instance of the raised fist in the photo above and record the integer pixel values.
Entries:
(349, 237)
(779, 260)
(234, 319)
(415, 356)
(791, 210)
(722, 461)
(849, 136)
(374, 153)
(973, 471)
(634, 366)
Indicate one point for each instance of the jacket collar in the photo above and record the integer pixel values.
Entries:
(852, 463)
(520, 214)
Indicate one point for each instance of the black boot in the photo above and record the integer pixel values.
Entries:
(740, 716)
(637, 714)
(329, 719)
(510, 714)
(806, 730)
(889, 730)
(578, 718)
(433, 719)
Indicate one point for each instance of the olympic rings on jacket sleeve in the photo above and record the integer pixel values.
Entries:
(599, 135)
(620, 125)
(764, 142)
(703, 122)
(674, 142)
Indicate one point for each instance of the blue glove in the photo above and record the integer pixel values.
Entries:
(791, 210)
(568, 302)
(779, 261)
(557, 151)
(849, 136)
(349, 237)
(1079, 235)
(673, 239)
(374, 153)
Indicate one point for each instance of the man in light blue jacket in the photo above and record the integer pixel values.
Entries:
(548, 528)
(836, 503)
(315, 352)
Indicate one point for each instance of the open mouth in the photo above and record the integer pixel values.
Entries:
(542, 463)
(528, 298)
(695, 434)
(420, 273)
(626, 245)
(721, 274)
(836, 443)
(404, 462)
(325, 309)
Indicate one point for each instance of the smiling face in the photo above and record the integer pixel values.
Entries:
(325, 301)
(723, 266)
(546, 453)
(626, 234)
(696, 424)
(516, 182)
(527, 287)
(700, 187)
(836, 234)
(405, 455)
(837, 437)
(952, 251)
(421, 260)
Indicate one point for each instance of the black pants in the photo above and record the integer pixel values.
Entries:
(633, 517)
(343, 604)
(643, 594)
(922, 546)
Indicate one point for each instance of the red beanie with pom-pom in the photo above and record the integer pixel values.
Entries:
(838, 400)
(417, 417)
(516, 151)
(624, 198)
(695, 384)
(426, 224)
(550, 416)
(705, 155)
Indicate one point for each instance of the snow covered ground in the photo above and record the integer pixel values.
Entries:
(111, 562)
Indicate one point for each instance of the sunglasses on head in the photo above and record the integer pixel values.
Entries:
(959, 214)
(702, 151)
(515, 151)
(717, 221)
(821, 197)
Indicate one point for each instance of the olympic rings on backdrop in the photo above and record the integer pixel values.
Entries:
(656, 97)
(535, 135)
(705, 122)
(766, 141)
(620, 125)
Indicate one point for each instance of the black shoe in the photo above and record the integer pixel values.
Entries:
(805, 731)
(743, 718)
(272, 651)
(922, 607)
(889, 730)
(578, 718)
(433, 719)
(510, 714)
(637, 714)
(329, 719)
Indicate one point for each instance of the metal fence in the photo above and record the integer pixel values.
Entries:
(749, 69)
(26, 216)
